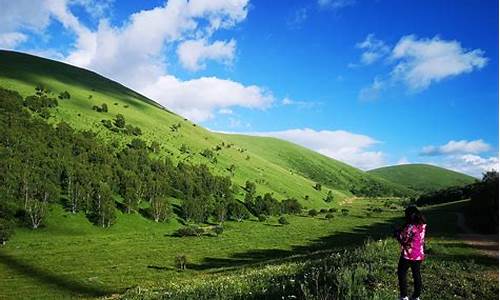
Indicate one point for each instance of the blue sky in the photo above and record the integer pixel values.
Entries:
(372, 83)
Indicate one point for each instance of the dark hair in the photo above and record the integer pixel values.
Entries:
(414, 216)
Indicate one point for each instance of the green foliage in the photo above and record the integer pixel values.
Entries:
(119, 121)
(237, 211)
(218, 229)
(482, 213)
(329, 216)
(102, 108)
(317, 186)
(312, 212)
(291, 206)
(262, 218)
(329, 197)
(6, 230)
(64, 96)
(283, 221)
(181, 262)
(189, 231)
(344, 211)
(323, 211)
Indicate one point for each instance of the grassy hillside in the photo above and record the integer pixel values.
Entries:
(423, 178)
(285, 178)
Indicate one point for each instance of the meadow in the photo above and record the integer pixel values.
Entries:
(72, 258)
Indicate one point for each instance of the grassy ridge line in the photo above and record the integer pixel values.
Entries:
(308, 163)
(422, 177)
(23, 72)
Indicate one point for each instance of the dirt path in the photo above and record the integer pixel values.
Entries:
(485, 244)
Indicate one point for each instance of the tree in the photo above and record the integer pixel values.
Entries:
(237, 211)
(160, 209)
(120, 121)
(102, 212)
(329, 197)
(291, 206)
(251, 190)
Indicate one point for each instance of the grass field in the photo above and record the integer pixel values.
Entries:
(423, 178)
(70, 257)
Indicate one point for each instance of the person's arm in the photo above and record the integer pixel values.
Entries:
(406, 236)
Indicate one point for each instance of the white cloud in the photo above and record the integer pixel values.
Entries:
(457, 147)
(342, 145)
(300, 104)
(424, 61)
(418, 63)
(403, 161)
(374, 49)
(11, 39)
(134, 52)
(372, 92)
(197, 99)
(335, 4)
(225, 111)
(193, 53)
(471, 164)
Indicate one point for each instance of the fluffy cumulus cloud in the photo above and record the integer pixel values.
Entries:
(457, 147)
(197, 99)
(463, 156)
(424, 61)
(133, 53)
(418, 63)
(193, 53)
(345, 146)
(471, 164)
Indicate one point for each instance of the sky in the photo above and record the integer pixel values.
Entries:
(368, 82)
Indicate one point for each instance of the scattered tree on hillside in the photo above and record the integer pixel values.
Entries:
(317, 186)
(120, 121)
(329, 197)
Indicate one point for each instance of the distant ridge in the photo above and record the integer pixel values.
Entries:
(423, 177)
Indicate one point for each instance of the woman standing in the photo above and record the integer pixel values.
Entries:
(411, 239)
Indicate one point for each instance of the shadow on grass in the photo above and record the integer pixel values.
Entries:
(59, 282)
(341, 240)
(317, 247)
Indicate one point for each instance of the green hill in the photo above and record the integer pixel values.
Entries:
(285, 169)
(422, 177)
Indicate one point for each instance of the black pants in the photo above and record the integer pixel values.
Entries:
(403, 266)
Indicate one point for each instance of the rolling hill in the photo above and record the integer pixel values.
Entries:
(280, 167)
(422, 177)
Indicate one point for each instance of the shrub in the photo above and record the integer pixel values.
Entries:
(189, 231)
(333, 210)
(313, 212)
(329, 216)
(283, 221)
(262, 218)
(218, 229)
(317, 187)
(237, 211)
(323, 211)
(181, 262)
(6, 231)
(345, 211)
(377, 210)
(291, 206)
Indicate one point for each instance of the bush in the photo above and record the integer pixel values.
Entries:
(283, 221)
(333, 210)
(6, 231)
(181, 262)
(189, 231)
(345, 211)
(262, 218)
(329, 216)
(313, 212)
(323, 211)
(291, 206)
(218, 229)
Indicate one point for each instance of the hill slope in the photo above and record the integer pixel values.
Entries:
(422, 177)
(291, 176)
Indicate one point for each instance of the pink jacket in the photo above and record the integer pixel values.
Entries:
(412, 241)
